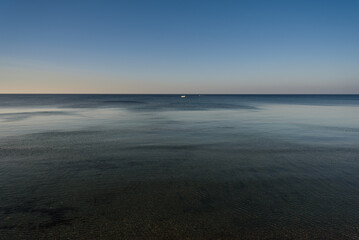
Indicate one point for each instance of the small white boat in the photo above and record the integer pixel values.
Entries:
(183, 96)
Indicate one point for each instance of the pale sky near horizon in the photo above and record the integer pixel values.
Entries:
(204, 46)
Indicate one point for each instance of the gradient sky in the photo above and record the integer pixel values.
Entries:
(180, 46)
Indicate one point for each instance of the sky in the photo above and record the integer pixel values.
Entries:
(180, 46)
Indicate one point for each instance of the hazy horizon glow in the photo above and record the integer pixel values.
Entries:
(179, 47)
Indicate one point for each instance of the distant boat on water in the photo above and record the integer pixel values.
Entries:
(183, 96)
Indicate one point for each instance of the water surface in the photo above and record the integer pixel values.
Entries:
(163, 167)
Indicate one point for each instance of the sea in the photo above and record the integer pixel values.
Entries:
(103, 166)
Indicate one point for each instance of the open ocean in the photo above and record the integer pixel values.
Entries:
(166, 167)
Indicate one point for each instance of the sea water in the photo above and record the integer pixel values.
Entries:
(166, 167)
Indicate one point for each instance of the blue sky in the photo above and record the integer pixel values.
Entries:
(179, 46)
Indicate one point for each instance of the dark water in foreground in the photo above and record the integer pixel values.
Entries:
(162, 167)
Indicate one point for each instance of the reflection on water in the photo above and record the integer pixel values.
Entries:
(162, 167)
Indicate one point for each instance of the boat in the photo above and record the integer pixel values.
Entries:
(183, 96)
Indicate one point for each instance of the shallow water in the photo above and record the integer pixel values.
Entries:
(162, 167)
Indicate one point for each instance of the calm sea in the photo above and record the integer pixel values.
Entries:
(166, 167)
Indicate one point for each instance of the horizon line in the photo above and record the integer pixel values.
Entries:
(179, 93)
